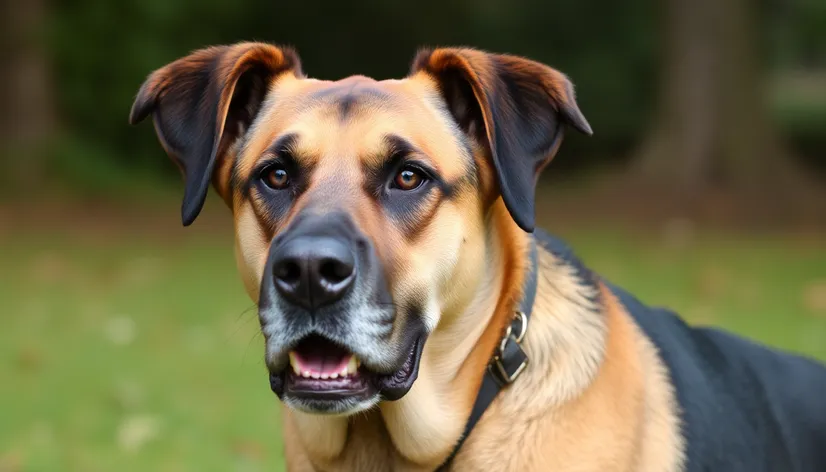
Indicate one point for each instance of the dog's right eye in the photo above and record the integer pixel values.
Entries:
(408, 179)
(276, 177)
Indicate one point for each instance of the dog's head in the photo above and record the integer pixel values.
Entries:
(360, 206)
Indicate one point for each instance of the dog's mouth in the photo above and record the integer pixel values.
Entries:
(325, 377)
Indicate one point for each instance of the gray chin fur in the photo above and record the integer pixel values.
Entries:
(344, 407)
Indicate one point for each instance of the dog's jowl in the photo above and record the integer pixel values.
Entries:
(414, 319)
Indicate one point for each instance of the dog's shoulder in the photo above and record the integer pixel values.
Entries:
(564, 254)
(744, 406)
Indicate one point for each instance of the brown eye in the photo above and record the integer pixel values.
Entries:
(408, 179)
(276, 178)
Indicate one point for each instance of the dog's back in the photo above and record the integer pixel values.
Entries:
(745, 407)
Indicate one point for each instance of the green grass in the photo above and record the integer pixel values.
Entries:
(128, 356)
(117, 354)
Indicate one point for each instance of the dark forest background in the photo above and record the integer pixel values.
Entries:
(683, 95)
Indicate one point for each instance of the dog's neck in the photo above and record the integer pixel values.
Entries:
(425, 424)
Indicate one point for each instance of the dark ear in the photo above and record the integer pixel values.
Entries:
(515, 107)
(202, 103)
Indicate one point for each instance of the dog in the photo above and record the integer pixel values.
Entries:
(414, 318)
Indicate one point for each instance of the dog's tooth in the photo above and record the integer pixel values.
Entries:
(334, 375)
(315, 375)
(353, 364)
(344, 371)
(294, 364)
(306, 373)
(325, 376)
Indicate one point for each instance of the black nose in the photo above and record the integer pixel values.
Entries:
(313, 271)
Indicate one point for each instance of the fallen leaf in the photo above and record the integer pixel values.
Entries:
(29, 358)
(128, 395)
(137, 430)
(814, 297)
(120, 330)
(49, 268)
(11, 461)
(712, 282)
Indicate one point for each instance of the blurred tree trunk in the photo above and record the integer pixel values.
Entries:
(27, 115)
(712, 126)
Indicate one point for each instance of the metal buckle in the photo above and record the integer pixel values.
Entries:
(503, 375)
(524, 325)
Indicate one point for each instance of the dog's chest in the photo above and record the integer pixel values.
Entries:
(368, 448)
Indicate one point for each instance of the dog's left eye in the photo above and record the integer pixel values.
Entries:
(276, 177)
(409, 178)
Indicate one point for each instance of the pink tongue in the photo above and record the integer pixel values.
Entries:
(324, 359)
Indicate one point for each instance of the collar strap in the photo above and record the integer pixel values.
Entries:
(509, 359)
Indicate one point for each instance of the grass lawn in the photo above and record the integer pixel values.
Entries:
(142, 354)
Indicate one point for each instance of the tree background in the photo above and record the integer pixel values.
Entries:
(687, 98)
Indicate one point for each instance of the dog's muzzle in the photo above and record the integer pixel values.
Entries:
(336, 340)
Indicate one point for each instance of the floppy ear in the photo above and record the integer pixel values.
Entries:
(515, 107)
(203, 102)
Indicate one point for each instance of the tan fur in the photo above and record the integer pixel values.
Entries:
(595, 395)
(598, 400)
